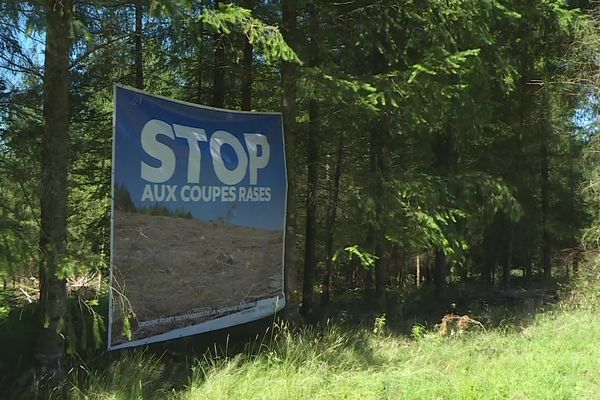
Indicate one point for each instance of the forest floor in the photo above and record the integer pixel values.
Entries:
(550, 351)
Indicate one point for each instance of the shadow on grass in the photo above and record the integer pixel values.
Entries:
(505, 308)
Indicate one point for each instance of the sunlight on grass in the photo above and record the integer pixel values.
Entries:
(555, 355)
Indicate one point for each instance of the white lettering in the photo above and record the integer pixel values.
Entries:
(158, 150)
(228, 177)
(253, 141)
(193, 136)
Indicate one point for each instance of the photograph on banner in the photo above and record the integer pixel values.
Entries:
(198, 222)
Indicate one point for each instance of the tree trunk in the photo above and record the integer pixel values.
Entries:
(219, 66)
(247, 68)
(289, 73)
(527, 270)
(440, 272)
(377, 237)
(199, 68)
(312, 182)
(546, 127)
(445, 161)
(331, 217)
(139, 55)
(367, 282)
(310, 256)
(50, 352)
(418, 271)
(507, 268)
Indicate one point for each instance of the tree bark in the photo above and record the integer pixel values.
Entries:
(199, 68)
(546, 127)
(247, 67)
(440, 272)
(139, 55)
(507, 267)
(445, 162)
(219, 66)
(312, 182)
(378, 138)
(50, 352)
(418, 271)
(376, 236)
(289, 73)
(310, 250)
(331, 217)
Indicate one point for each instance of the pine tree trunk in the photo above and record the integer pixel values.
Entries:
(546, 127)
(199, 68)
(445, 162)
(331, 218)
(312, 183)
(50, 352)
(247, 68)
(310, 256)
(139, 55)
(378, 138)
(418, 271)
(377, 238)
(440, 272)
(289, 74)
(219, 66)
(507, 267)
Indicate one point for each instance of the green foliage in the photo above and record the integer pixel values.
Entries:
(443, 108)
(367, 260)
(379, 326)
(266, 38)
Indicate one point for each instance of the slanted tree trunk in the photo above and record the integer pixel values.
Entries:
(289, 73)
(312, 183)
(331, 218)
(139, 55)
(219, 66)
(50, 352)
(247, 68)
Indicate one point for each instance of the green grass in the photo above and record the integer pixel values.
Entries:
(558, 357)
(555, 356)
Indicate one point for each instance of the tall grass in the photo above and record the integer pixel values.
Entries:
(555, 355)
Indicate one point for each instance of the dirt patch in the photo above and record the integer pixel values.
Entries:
(166, 266)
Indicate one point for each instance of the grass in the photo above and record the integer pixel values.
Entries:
(555, 355)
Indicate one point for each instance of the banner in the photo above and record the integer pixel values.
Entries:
(198, 218)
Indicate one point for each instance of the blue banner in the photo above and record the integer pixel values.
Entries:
(198, 218)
